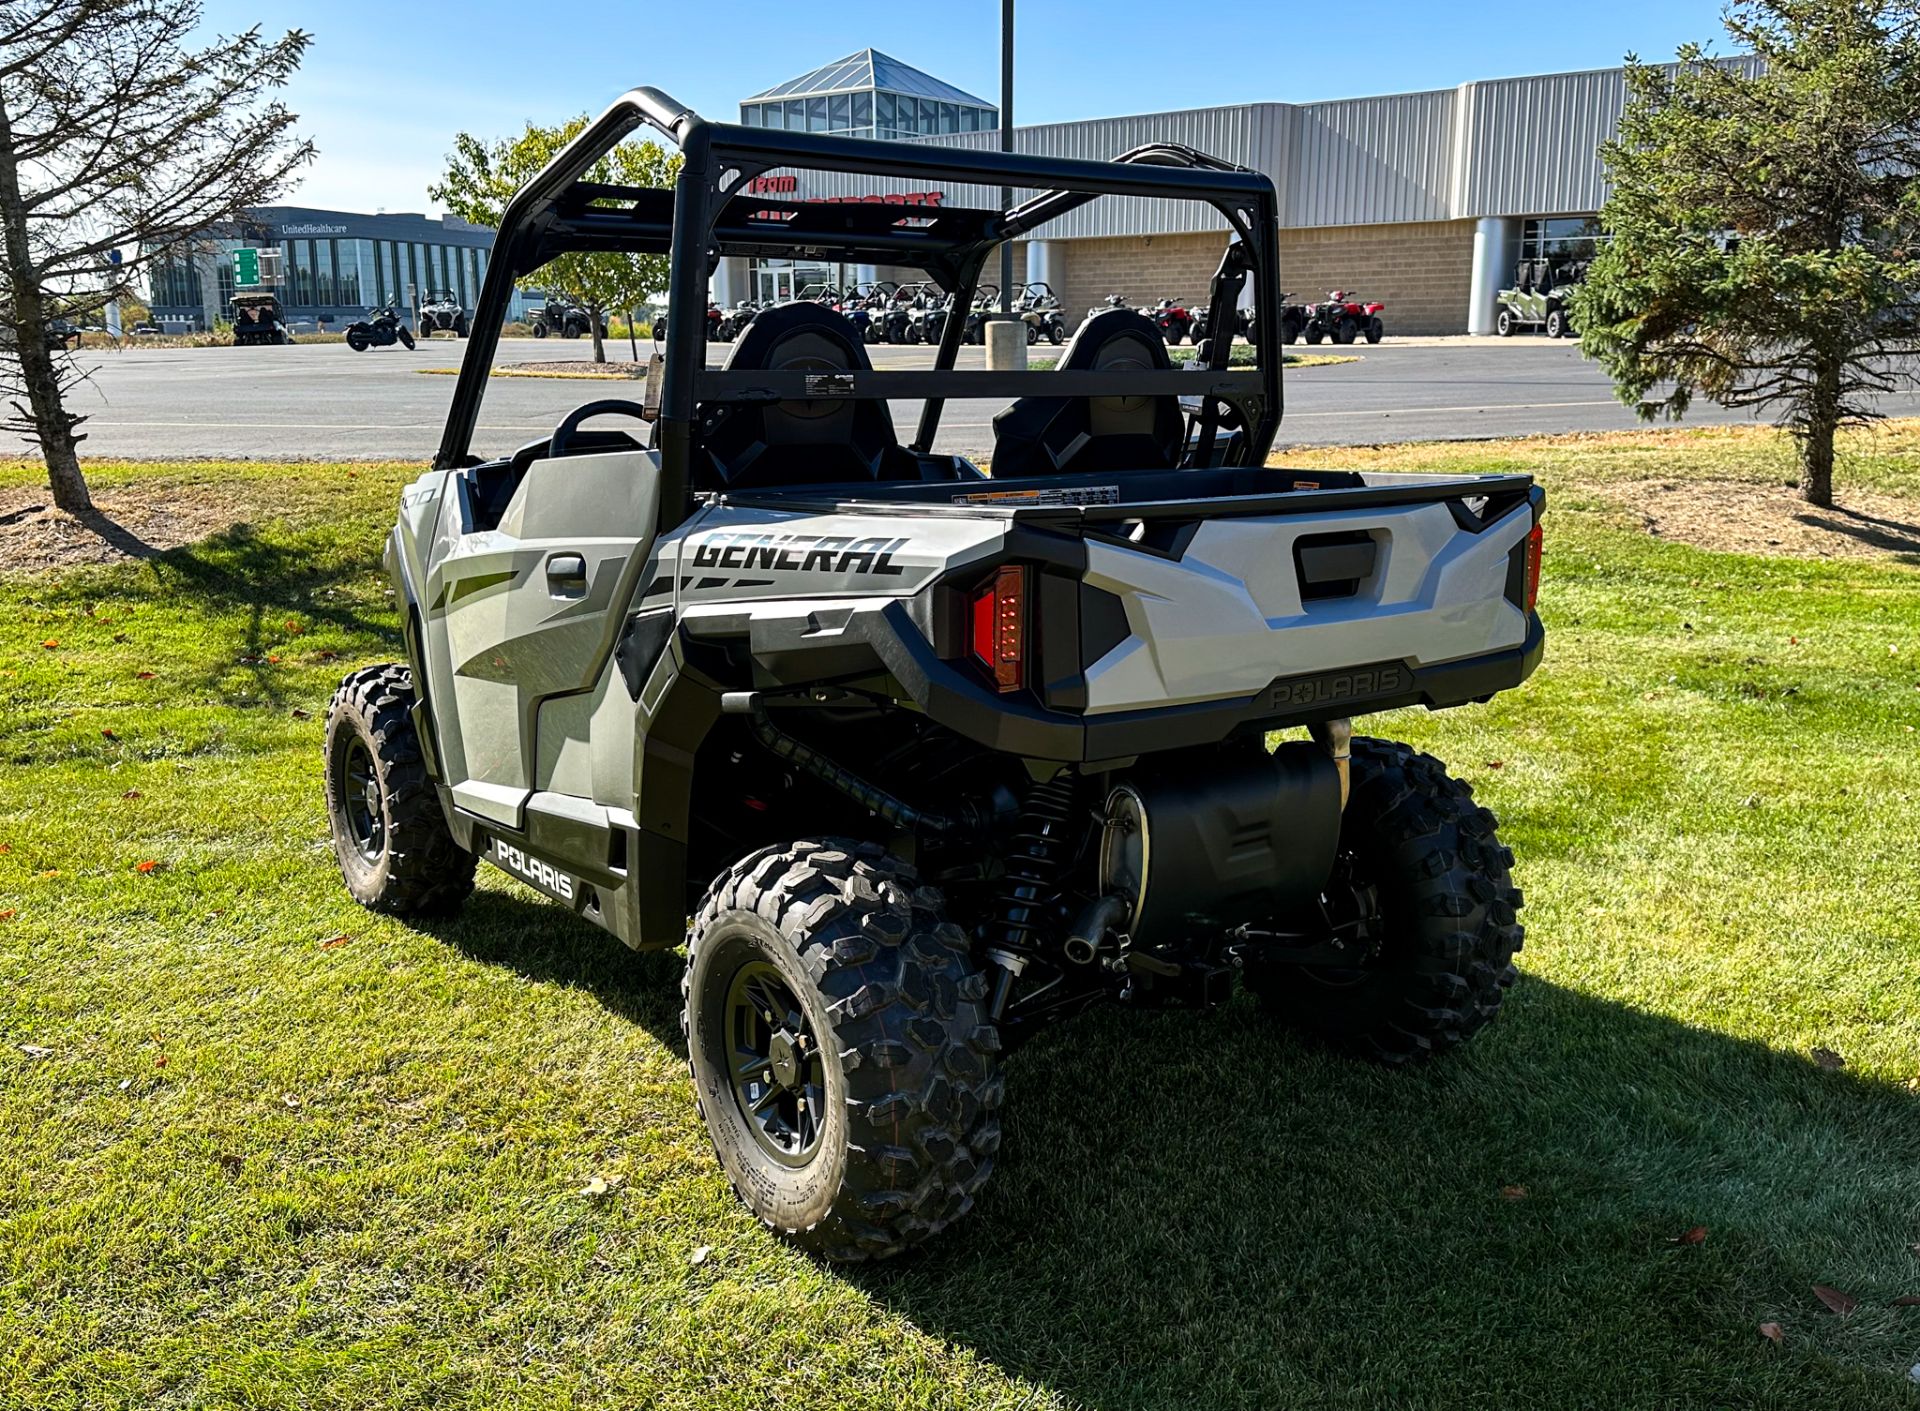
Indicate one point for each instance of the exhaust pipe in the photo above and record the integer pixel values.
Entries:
(1083, 942)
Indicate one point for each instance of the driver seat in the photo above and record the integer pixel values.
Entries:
(1080, 435)
(769, 445)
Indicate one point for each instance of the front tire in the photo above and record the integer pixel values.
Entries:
(389, 834)
(1431, 882)
(841, 1053)
(1504, 323)
(1376, 330)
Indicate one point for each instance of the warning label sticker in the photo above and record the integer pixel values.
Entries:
(1053, 495)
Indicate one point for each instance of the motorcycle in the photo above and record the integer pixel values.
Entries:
(380, 329)
(1039, 308)
(1343, 318)
(1173, 320)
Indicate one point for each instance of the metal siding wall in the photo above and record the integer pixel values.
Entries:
(1247, 135)
(1371, 160)
(1508, 147)
(1533, 144)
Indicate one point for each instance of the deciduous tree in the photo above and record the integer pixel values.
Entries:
(119, 133)
(1765, 223)
(482, 177)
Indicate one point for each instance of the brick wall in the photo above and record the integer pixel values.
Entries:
(1421, 272)
(1143, 268)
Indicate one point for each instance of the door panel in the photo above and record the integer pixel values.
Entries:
(531, 609)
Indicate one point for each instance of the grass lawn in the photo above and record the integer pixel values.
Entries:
(263, 1149)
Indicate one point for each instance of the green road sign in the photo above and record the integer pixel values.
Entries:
(246, 267)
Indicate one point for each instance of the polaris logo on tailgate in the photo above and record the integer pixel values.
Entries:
(1339, 687)
(532, 870)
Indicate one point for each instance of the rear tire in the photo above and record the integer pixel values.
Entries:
(1056, 333)
(1445, 925)
(875, 1123)
(540, 330)
(389, 834)
(1376, 330)
(357, 340)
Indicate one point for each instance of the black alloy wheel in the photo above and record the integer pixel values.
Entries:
(357, 786)
(777, 1078)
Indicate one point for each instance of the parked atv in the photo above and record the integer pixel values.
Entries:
(1039, 308)
(258, 319)
(917, 763)
(986, 303)
(897, 321)
(732, 323)
(1343, 318)
(380, 329)
(566, 320)
(441, 309)
(928, 322)
(1541, 297)
(1175, 321)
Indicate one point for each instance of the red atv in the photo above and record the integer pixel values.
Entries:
(1175, 321)
(1343, 318)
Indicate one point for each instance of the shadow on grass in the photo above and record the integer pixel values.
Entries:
(1202, 1211)
(1895, 536)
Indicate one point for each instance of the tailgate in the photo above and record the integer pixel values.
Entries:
(1307, 606)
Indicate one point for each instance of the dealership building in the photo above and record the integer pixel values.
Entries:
(335, 265)
(1424, 201)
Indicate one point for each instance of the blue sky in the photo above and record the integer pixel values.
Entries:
(387, 84)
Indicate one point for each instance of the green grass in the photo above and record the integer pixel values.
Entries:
(263, 1169)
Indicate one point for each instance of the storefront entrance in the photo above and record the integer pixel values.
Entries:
(777, 281)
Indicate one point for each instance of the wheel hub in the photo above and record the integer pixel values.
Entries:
(778, 1080)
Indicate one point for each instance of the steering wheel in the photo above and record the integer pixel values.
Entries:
(616, 406)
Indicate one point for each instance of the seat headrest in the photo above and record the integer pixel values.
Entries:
(1116, 338)
(800, 335)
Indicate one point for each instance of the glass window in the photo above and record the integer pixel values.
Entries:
(949, 118)
(816, 115)
(989, 119)
(839, 112)
(884, 118)
(326, 271)
(773, 115)
(929, 116)
(796, 115)
(863, 110)
(750, 114)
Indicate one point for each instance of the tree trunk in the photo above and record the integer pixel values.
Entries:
(52, 427)
(1816, 438)
(599, 346)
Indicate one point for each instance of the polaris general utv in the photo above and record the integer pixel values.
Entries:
(932, 760)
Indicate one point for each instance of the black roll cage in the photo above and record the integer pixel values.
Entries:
(710, 210)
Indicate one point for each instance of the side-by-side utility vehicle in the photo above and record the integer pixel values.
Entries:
(913, 761)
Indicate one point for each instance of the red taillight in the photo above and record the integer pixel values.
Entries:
(998, 622)
(1533, 567)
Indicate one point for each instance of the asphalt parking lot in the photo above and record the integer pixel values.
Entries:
(324, 401)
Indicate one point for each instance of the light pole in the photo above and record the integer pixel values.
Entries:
(1006, 145)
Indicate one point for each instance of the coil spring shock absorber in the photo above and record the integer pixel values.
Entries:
(1038, 854)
